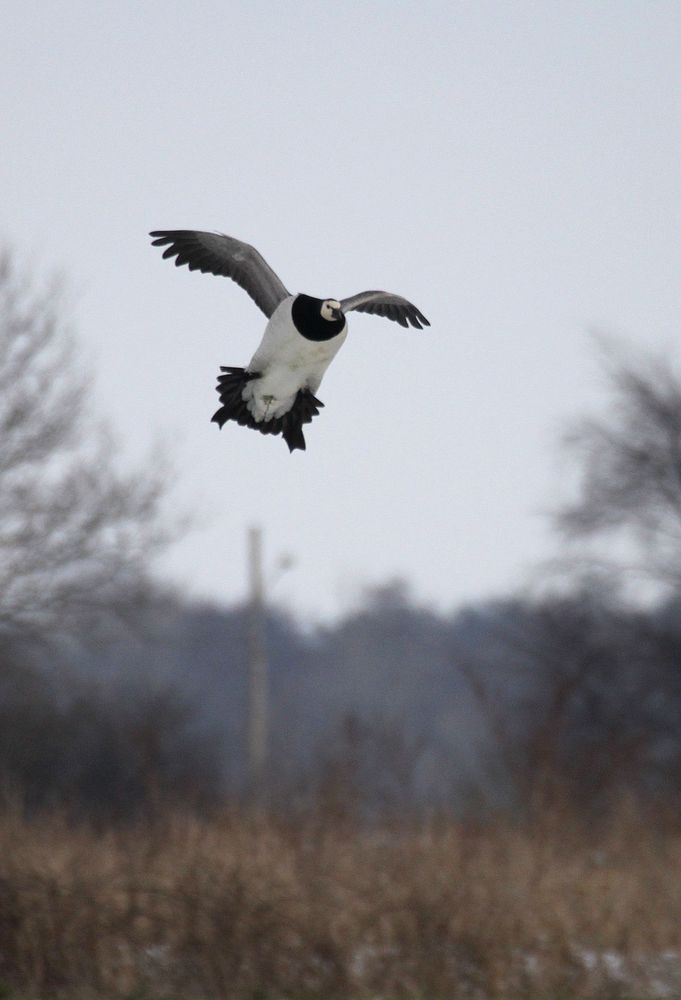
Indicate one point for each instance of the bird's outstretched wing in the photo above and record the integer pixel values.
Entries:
(388, 305)
(213, 253)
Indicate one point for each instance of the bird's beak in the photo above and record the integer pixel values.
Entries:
(337, 313)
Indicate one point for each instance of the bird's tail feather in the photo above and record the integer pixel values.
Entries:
(230, 389)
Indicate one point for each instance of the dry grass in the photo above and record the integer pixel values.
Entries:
(246, 907)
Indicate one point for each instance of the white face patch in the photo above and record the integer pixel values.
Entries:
(330, 309)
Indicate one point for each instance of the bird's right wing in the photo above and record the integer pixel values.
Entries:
(386, 304)
(213, 253)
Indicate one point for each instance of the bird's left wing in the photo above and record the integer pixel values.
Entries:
(388, 305)
(213, 253)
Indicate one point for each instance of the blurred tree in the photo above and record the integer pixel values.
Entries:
(583, 697)
(629, 465)
(571, 697)
(104, 751)
(76, 535)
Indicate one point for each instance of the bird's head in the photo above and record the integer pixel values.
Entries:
(317, 319)
(331, 310)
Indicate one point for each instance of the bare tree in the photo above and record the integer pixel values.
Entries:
(76, 534)
(592, 703)
(627, 511)
(579, 704)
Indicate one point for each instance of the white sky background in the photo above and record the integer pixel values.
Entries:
(514, 168)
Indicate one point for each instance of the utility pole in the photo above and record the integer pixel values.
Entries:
(257, 671)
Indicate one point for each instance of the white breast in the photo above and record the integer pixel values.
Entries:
(287, 362)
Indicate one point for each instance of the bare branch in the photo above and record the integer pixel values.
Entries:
(76, 535)
(629, 491)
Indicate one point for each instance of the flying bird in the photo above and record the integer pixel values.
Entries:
(275, 393)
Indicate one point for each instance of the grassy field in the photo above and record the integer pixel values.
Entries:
(246, 907)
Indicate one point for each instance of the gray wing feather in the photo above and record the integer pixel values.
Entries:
(386, 304)
(213, 253)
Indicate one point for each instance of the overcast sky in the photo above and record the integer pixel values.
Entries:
(513, 168)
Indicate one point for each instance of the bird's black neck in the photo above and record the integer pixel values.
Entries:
(306, 312)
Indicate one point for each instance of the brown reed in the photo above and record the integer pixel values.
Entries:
(246, 905)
